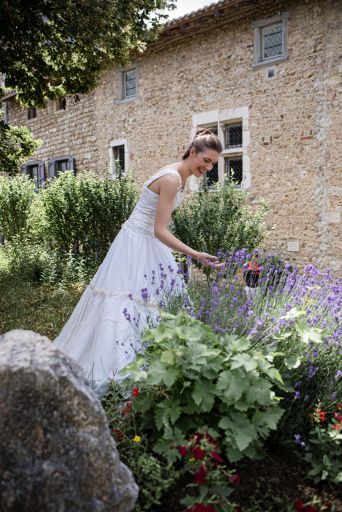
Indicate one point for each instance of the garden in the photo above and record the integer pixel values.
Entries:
(235, 401)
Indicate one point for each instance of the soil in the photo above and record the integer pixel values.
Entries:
(272, 484)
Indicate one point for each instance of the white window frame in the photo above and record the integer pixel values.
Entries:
(124, 97)
(220, 118)
(258, 27)
(113, 144)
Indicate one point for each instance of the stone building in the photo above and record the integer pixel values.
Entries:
(266, 75)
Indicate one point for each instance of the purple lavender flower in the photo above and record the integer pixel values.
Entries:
(298, 440)
(144, 294)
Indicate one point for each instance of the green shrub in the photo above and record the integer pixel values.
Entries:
(84, 213)
(219, 219)
(192, 379)
(16, 196)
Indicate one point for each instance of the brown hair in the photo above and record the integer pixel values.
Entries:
(204, 139)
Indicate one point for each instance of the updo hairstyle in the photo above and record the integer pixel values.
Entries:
(204, 139)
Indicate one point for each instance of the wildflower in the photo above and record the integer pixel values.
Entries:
(322, 416)
(137, 439)
(297, 394)
(298, 440)
(198, 453)
(200, 475)
(217, 457)
(118, 434)
(338, 374)
(135, 392)
(338, 417)
(201, 507)
(337, 426)
(182, 450)
(128, 407)
(144, 294)
(192, 459)
(234, 479)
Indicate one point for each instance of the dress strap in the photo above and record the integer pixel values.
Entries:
(164, 172)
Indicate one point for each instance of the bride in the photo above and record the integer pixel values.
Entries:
(97, 335)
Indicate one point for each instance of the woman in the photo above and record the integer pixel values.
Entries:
(97, 334)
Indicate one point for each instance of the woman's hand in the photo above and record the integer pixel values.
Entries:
(208, 260)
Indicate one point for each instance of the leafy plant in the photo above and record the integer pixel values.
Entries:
(16, 196)
(191, 378)
(219, 219)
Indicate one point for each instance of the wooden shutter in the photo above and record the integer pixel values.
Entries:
(71, 163)
(41, 174)
(51, 169)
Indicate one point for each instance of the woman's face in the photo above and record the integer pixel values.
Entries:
(202, 162)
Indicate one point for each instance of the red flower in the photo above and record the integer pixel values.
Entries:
(198, 453)
(217, 457)
(338, 417)
(201, 507)
(135, 391)
(301, 507)
(322, 416)
(200, 475)
(128, 407)
(238, 509)
(198, 437)
(182, 450)
(336, 427)
(234, 479)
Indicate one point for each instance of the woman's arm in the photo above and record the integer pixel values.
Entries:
(168, 190)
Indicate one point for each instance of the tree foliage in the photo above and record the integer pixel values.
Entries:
(51, 48)
(16, 146)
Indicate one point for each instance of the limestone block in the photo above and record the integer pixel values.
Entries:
(57, 453)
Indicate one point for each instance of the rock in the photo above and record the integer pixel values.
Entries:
(57, 454)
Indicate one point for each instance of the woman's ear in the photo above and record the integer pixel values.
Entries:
(193, 152)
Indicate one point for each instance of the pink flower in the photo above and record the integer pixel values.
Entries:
(135, 391)
(200, 475)
(234, 479)
(198, 453)
(182, 450)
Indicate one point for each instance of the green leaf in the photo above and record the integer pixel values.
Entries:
(168, 357)
(244, 360)
(308, 333)
(203, 395)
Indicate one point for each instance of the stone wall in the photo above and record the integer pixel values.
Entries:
(293, 123)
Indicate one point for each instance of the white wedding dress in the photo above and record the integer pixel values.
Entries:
(98, 335)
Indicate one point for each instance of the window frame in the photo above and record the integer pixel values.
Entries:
(221, 118)
(52, 165)
(113, 144)
(41, 172)
(123, 96)
(29, 116)
(259, 27)
(58, 107)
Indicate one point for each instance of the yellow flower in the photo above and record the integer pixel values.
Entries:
(192, 459)
(136, 439)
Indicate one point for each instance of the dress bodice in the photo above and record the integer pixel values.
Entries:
(141, 220)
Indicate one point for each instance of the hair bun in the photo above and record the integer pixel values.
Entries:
(203, 132)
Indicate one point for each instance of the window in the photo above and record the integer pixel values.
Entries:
(31, 113)
(231, 127)
(129, 83)
(36, 171)
(232, 140)
(118, 157)
(60, 104)
(61, 164)
(270, 40)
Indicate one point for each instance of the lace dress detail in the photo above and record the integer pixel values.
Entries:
(97, 335)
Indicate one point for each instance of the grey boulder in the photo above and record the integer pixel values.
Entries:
(56, 451)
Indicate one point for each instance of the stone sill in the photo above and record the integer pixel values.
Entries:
(126, 100)
(269, 62)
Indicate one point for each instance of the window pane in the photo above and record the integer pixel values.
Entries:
(130, 79)
(212, 177)
(119, 158)
(232, 135)
(31, 113)
(272, 41)
(33, 172)
(233, 169)
(61, 165)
